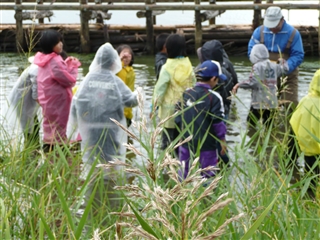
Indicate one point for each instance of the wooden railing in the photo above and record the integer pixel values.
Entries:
(87, 6)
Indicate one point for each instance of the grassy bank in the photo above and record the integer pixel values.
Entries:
(258, 197)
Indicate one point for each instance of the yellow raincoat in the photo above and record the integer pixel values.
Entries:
(175, 77)
(128, 76)
(305, 121)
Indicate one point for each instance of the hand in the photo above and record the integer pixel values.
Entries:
(125, 58)
(140, 90)
(281, 61)
(235, 88)
(71, 59)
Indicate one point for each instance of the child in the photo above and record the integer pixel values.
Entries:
(305, 122)
(213, 50)
(127, 74)
(24, 107)
(56, 78)
(161, 56)
(202, 114)
(263, 82)
(101, 96)
(175, 77)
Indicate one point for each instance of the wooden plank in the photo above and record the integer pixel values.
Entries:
(121, 1)
(153, 7)
(142, 14)
(210, 15)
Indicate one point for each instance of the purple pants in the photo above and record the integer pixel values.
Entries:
(207, 158)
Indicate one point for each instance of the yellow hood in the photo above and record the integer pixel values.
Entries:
(314, 88)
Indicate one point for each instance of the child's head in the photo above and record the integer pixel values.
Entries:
(208, 70)
(314, 86)
(51, 41)
(258, 53)
(212, 50)
(176, 46)
(126, 54)
(161, 41)
(106, 58)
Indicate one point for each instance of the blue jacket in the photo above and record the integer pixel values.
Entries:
(272, 41)
(201, 116)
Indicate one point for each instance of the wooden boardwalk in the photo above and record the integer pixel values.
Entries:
(85, 37)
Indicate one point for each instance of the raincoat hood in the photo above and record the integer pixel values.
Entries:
(42, 59)
(106, 58)
(161, 57)
(180, 71)
(259, 53)
(314, 87)
(212, 50)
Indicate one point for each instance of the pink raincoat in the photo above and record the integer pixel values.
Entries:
(55, 81)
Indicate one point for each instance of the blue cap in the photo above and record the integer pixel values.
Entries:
(210, 69)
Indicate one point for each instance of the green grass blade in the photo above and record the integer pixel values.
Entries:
(85, 214)
(45, 225)
(142, 222)
(260, 219)
(4, 221)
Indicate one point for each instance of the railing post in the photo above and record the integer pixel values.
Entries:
(256, 22)
(212, 20)
(41, 20)
(99, 19)
(84, 29)
(198, 29)
(19, 28)
(149, 28)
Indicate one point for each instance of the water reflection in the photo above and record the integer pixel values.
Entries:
(11, 66)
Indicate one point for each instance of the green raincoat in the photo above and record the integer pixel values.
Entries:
(175, 77)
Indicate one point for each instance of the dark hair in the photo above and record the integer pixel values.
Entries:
(64, 55)
(125, 46)
(48, 40)
(203, 79)
(161, 41)
(176, 46)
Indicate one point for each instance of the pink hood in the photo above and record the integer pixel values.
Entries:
(42, 59)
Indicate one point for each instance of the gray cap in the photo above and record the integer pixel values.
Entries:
(272, 17)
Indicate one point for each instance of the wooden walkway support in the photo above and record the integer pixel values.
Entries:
(85, 16)
(198, 29)
(149, 28)
(19, 28)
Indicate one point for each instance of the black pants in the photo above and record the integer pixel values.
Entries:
(256, 114)
(309, 162)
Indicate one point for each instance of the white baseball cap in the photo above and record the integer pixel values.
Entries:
(272, 17)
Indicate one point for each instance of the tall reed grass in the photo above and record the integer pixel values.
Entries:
(42, 195)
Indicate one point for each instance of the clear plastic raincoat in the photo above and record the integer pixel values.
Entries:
(22, 106)
(101, 96)
(56, 78)
(305, 120)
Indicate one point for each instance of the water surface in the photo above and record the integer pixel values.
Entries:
(12, 64)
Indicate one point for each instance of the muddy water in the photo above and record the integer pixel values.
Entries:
(11, 65)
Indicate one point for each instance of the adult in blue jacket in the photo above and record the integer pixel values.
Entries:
(282, 41)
